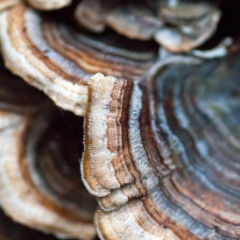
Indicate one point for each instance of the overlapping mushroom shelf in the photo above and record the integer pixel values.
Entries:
(162, 156)
(39, 4)
(59, 61)
(162, 135)
(178, 26)
(40, 184)
(49, 4)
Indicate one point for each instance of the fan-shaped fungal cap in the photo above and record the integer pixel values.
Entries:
(163, 160)
(177, 28)
(130, 19)
(49, 4)
(92, 15)
(58, 61)
(191, 24)
(23, 193)
(40, 184)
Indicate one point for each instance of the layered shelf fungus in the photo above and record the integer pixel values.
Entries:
(49, 4)
(157, 83)
(176, 25)
(40, 185)
(59, 61)
(162, 156)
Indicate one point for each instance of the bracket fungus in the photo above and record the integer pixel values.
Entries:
(155, 152)
(161, 109)
(59, 61)
(179, 27)
(38, 184)
(49, 4)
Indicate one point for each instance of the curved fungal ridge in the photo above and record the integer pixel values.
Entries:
(110, 150)
(161, 145)
(21, 198)
(59, 61)
(178, 28)
(206, 159)
(37, 189)
(188, 196)
(33, 65)
(207, 164)
(6, 4)
(49, 4)
(29, 193)
(93, 55)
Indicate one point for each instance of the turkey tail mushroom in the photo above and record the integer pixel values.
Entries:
(40, 186)
(49, 4)
(162, 137)
(162, 156)
(25, 194)
(59, 61)
(178, 28)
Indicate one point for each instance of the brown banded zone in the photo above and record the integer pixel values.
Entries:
(59, 61)
(98, 54)
(23, 194)
(34, 189)
(138, 198)
(197, 109)
(115, 167)
(55, 167)
(27, 54)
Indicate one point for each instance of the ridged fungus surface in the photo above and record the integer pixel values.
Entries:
(162, 155)
(59, 61)
(179, 27)
(40, 185)
(157, 83)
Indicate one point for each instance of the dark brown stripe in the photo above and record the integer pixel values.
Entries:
(21, 23)
(119, 109)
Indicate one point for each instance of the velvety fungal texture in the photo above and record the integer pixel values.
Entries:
(155, 153)
(144, 95)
